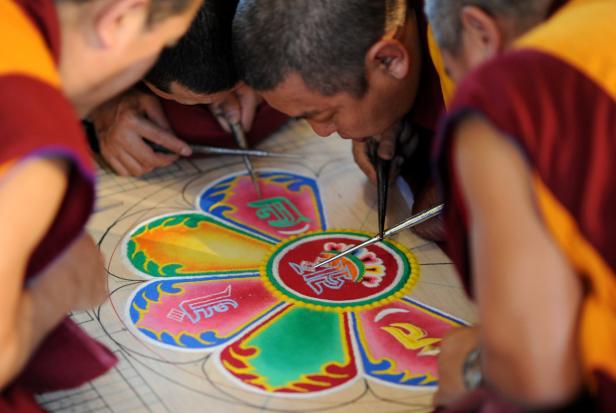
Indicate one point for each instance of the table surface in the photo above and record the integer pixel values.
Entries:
(152, 379)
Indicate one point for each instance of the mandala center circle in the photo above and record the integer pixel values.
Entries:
(370, 275)
(351, 265)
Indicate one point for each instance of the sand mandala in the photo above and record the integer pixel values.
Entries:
(236, 278)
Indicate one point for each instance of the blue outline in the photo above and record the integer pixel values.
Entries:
(150, 291)
(370, 368)
(434, 310)
(209, 198)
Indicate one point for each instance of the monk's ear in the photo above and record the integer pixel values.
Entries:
(118, 22)
(389, 57)
(481, 31)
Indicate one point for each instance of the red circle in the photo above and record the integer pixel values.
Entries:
(308, 250)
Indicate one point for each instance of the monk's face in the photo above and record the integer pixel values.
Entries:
(343, 113)
(392, 70)
(107, 50)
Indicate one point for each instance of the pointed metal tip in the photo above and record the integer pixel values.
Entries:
(255, 184)
(349, 251)
(327, 261)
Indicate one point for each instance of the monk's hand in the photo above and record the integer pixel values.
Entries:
(76, 280)
(454, 349)
(125, 125)
(361, 154)
(239, 106)
(89, 281)
(386, 149)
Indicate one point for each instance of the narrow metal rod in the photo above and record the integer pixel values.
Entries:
(409, 223)
(212, 150)
(417, 219)
(240, 138)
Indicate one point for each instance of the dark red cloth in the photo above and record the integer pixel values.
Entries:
(69, 359)
(37, 120)
(197, 125)
(427, 108)
(540, 106)
(565, 124)
(484, 400)
(18, 399)
(480, 401)
(429, 103)
(606, 388)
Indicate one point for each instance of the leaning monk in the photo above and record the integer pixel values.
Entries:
(360, 68)
(187, 98)
(49, 266)
(526, 162)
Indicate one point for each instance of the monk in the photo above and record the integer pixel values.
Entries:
(189, 97)
(525, 159)
(57, 61)
(361, 68)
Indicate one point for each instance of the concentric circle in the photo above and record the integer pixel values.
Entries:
(370, 276)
